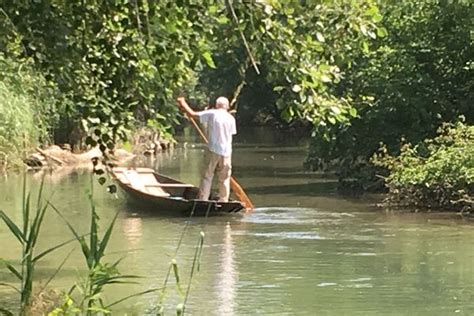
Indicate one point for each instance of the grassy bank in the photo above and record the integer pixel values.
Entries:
(27, 108)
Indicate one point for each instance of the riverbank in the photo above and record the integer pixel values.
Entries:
(145, 143)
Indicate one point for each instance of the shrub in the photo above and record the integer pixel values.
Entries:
(436, 173)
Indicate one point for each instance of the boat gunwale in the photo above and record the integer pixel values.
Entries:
(166, 199)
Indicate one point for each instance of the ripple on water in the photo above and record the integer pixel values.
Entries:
(290, 235)
(297, 223)
(292, 215)
(325, 284)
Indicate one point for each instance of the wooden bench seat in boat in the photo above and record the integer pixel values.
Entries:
(171, 185)
(144, 180)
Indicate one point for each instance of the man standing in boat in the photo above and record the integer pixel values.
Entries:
(220, 128)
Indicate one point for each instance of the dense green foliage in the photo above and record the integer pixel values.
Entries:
(300, 48)
(26, 109)
(436, 173)
(122, 62)
(114, 61)
(416, 78)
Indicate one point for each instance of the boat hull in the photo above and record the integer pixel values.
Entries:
(184, 202)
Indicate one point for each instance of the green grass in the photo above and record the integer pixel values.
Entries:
(26, 111)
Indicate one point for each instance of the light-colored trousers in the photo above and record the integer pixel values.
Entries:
(223, 166)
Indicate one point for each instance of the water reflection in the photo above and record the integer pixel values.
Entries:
(132, 230)
(58, 175)
(227, 277)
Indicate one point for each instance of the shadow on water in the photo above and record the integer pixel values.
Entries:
(131, 210)
(300, 189)
(269, 171)
(301, 175)
(266, 149)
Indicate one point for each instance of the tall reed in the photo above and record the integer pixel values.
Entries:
(27, 234)
(100, 273)
(180, 308)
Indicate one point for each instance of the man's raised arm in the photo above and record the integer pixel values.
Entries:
(186, 108)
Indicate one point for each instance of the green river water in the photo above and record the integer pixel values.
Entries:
(305, 250)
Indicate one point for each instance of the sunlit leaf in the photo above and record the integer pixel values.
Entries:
(336, 110)
(382, 32)
(377, 17)
(320, 37)
(365, 47)
(209, 60)
(353, 112)
(325, 78)
(296, 88)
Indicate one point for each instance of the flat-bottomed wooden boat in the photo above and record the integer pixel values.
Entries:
(154, 191)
